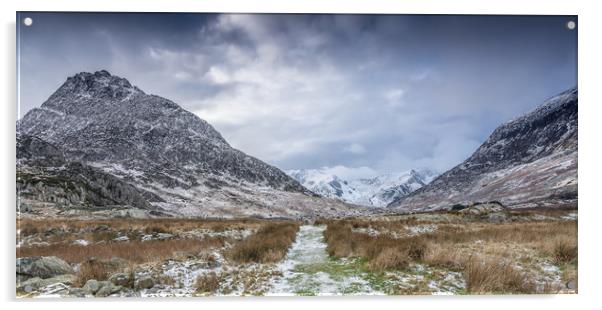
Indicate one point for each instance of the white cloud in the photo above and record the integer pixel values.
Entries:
(217, 75)
(394, 96)
(355, 148)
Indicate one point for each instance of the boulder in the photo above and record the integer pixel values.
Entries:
(43, 266)
(144, 282)
(122, 238)
(164, 236)
(122, 279)
(483, 208)
(36, 284)
(107, 288)
(77, 292)
(92, 286)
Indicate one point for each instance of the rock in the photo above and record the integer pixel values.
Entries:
(30, 285)
(36, 284)
(484, 208)
(144, 282)
(81, 242)
(498, 217)
(78, 292)
(43, 266)
(107, 288)
(122, 279)
(122, 238)
(92, 286)
(164, 236)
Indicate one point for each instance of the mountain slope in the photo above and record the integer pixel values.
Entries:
(45, 177)
(103, 121)
(377, 191)
(530, 161)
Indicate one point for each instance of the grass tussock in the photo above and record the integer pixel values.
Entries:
(382, 252)
(389, 259)
(207, 283)
(268, 245)
(92, 269)
(495, 276)
(564, 250)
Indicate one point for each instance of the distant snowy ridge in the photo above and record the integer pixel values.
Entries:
(377, 191)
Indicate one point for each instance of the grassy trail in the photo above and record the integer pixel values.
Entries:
(308, 270)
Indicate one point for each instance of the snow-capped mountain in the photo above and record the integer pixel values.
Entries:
(377, 191)
(530, 161)
(175, 161)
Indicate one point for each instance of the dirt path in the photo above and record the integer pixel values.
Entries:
(308, 270)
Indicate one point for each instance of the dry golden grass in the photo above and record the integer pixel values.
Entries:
(564, 250)
(133, 251)
(484, 252)
(268, 245)
(92, 269)
(390, 258)
(30, 226)
(495, 276)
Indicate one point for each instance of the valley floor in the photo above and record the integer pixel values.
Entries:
(445, 253)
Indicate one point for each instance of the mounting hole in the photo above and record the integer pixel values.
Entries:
(571, 25)
(27, 21)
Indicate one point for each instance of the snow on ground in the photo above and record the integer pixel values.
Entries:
(308, 270)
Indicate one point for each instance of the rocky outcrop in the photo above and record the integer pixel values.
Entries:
(44, 175)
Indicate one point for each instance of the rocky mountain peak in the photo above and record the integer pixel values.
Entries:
(100, 85)
(102, 119)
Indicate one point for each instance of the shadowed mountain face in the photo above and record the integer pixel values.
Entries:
(105, 123)
(530, 161)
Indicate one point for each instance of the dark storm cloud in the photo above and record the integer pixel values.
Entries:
(305, 91)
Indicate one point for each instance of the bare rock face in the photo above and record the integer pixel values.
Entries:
(100, 141)
(42, 266)
(45, 176)
(530, 161)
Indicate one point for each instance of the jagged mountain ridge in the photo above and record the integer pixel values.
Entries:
(376, 191)
(104, 123)
(104, 119)
(530, 161)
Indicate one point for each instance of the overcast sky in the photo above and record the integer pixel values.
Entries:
(367, 92)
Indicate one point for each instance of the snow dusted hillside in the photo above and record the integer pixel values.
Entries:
(149, 153)
(377, 191)
(530, 161)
